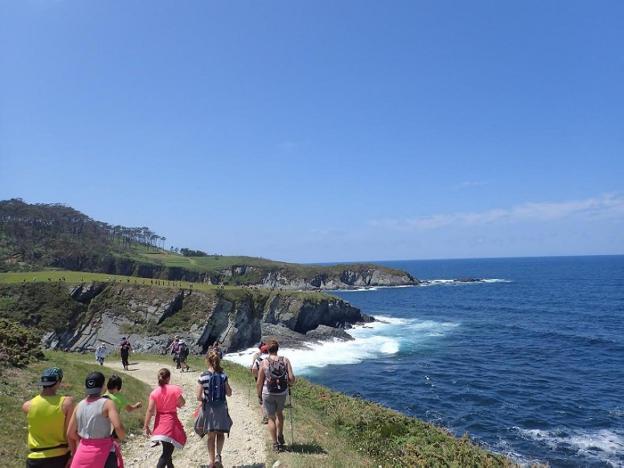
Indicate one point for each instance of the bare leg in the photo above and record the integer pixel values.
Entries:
(211, 446)
(272, 429)
(220, 442)
(280, 423)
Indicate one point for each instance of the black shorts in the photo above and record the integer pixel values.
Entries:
(52, 462)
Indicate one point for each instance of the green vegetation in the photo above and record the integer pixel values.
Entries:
(42, 236)
(333, 429)
(18, 385)
(47, 306)
(19, 345)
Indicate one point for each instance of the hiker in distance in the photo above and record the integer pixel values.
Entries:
(181, 356)
(89, 430)
(274, 377)
(48, 416)
(100, 353)
(173, 349)
(213, 418)
(164, 402)
(124, 350)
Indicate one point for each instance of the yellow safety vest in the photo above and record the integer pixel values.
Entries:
(46, 427)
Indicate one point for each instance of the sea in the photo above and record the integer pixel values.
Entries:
(529, 361)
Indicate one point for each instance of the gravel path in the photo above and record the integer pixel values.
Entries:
(244, 448)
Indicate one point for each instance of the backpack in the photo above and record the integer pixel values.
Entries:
(183, 350)
(214, 386)
(276, 376)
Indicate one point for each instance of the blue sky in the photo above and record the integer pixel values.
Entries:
(325, 130)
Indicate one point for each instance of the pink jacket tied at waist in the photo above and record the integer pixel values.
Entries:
(92, 453)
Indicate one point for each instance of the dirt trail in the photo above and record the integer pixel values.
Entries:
(244, 448)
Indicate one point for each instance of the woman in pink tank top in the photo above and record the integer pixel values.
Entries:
(164, 402)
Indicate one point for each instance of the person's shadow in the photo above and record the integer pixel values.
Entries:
(311, 448)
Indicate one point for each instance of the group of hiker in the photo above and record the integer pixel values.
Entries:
(87, 435)
(124, 351)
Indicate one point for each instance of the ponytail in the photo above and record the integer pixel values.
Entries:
(163, 376)
(214, 361)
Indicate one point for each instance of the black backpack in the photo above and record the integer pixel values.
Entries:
(276, 375)
(183, 350)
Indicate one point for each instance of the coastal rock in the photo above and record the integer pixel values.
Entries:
(85, 292)
(324, 333)
(151, 316)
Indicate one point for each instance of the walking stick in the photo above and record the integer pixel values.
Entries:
(292, 432)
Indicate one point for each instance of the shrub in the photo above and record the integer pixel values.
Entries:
(18, 345)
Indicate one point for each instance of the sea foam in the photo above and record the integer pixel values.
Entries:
(384, 337)
(603, 445)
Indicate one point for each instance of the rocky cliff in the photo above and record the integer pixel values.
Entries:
(77, 317)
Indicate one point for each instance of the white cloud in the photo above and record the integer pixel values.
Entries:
(605, 206)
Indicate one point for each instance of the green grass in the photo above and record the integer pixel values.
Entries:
(19, 385)
(78, 277)
(333, 429)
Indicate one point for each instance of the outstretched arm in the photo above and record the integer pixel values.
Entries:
(130, 408)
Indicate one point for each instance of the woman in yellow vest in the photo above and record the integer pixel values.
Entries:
(48, 415)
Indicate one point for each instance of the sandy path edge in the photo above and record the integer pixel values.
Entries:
(244, 448)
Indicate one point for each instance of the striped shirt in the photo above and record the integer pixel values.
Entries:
(214, 391)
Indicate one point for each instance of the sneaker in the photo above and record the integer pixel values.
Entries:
(280, 439)
(218, 463)
(265, 420)
(277, 447)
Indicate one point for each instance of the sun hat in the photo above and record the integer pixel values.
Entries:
(51, 376)
(94, 383)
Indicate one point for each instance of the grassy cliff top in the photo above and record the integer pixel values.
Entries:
(80, 277)
(39, 236)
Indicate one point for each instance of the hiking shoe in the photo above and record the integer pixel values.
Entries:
(280, 439)
(265, 420)
(218, 463)
(277, 447)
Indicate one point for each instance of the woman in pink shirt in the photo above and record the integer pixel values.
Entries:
(164, 401)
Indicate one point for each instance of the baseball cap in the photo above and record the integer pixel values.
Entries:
(51, 376)
(94, 383)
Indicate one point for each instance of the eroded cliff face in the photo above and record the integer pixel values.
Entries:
(293, 278)
(150, 316)
(345, 279)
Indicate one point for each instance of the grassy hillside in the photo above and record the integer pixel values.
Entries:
(36, 237)
(18, 385)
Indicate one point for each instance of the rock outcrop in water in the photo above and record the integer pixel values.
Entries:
(234, 317)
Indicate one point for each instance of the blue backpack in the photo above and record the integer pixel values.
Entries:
(214, 386)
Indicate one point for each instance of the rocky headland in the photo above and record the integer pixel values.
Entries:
(77, 317)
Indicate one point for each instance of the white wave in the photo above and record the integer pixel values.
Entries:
(604, 445)
(372, 288)
(384, 337)
(459, 282)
